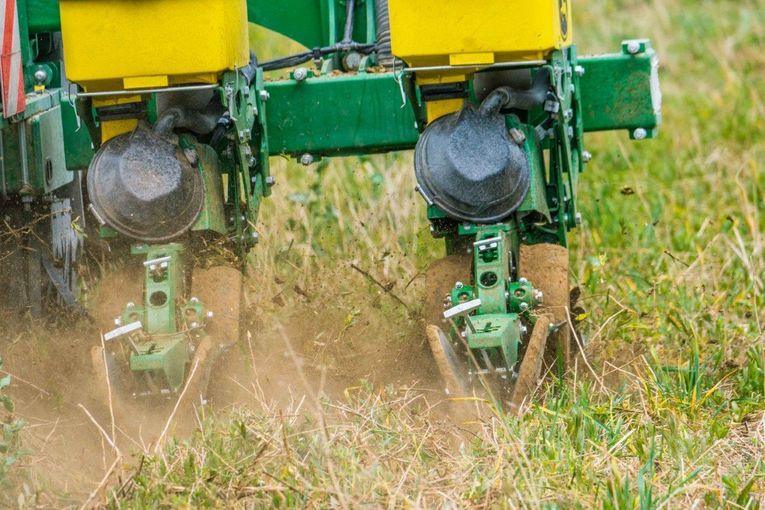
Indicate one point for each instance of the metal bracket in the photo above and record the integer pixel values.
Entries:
(463, 310)
(122, 331)
(162, 262)
(487, 244)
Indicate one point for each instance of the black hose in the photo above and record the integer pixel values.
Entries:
(384, 51)
(508, 97)
(250, 70)
(315, 54)
(349, 15)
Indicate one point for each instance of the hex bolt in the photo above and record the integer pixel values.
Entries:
(586, 156)
(579, 70)
(524, 306)
(191, 156)
(633, 47)
(458, 285)
(539, 296)
(41, 75)
(131, 305)
(270, 181)
(523, 281)
(264, 95)
(118, 321)
(518, 136)
(523, 329)
(194, 300)
(578, 219)
(210, 314)
(640, 134)
(300, 74)
(306, 159)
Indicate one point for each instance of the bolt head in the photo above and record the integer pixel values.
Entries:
(194, 300)
(633, 47)
(306, 159)
(41, 75)
(640, 134)
(210, 314)
(270, 180)
(579, 70)
(194, 325)
(300, 74)
(518, 136)
(586, 156)
(131, 305)
(118, 321)
(264, 95)
(523, 281)
(459, 285)
(352, 61)
(191, 156)
(524, 306)
(578, 219)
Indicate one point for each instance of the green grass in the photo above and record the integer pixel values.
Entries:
(9, 430)
(670, 415)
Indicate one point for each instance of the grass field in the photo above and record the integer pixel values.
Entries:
(666, 408)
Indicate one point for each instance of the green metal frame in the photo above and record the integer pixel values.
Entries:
(169, 321)
(338, 114)
(305, 117)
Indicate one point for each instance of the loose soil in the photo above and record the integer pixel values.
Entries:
(546, 266)
(319, 344)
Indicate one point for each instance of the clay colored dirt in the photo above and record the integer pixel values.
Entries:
(319, 350)
(547, 267)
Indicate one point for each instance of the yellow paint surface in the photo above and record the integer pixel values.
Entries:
(111, 44)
